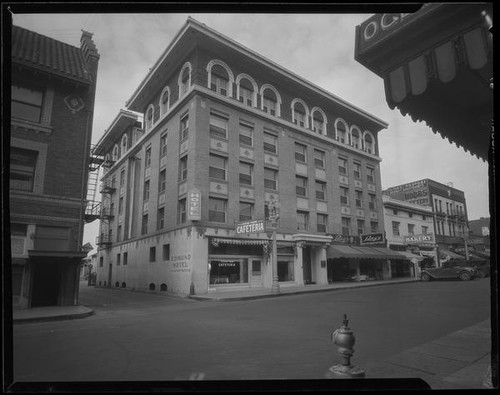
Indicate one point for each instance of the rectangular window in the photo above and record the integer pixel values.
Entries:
(163, 145)
(246, 171)
(395, 212)
(301, 186)
(322, 223)
(344, 195)
(161, 218)
(425, 229)
(343, 166)
(246, 211)
(146, 190)
(217, 210)
(125, 258)
(319, 159)
(372, 203)
(270, 143)
(184, 127)
(271, 179)
(217, 167)
(166, 252)
(300, 153)
(118, 259)
(183, 168)
(361, 226)
(370, 174)
(120, 206)
(359, 198)
(27, 103)
(22, 169)
(122, 177)
(246, 134)
(395, 228)
(162, 181)
(302, 220)
(119, 233)
(411, 229)
(357, 170)
(181, 211)
(152, 254)
(346, 226)
(147, 157)
(101, 261)
(320, 190)
(144, 227)
(218, 126)
(373, 226)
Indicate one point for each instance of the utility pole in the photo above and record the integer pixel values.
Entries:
(274, 217)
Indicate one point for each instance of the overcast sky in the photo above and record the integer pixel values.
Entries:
(318, 47)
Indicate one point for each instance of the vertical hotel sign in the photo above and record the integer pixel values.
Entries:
(194, 205)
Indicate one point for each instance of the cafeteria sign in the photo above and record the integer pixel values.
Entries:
(194, 205)
(419, 239)
(250, 227)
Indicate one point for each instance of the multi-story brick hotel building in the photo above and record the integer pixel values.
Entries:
(226, 132)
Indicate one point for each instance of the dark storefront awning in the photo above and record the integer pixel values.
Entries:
(342, 251)
(443, 253)
(57, 254)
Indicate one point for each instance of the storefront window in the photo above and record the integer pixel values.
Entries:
(285, 269)
(229, 271)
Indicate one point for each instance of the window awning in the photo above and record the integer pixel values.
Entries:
(343, 251)
(217, 240)
(410, 256)
(443, 253)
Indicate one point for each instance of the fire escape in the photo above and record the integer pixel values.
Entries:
(92, 206)
(106, 213)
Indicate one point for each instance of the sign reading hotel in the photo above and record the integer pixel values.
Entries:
(414, 192)
(245, 227)
(194, 205)
(372, 238)
(420, 239)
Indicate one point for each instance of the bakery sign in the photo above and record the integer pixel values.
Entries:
(424, 239)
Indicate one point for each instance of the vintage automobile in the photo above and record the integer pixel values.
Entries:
(481, 265)
(449, 270)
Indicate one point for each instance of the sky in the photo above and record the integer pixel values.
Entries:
(318, 47)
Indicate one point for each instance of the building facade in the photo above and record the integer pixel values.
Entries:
(228, 137)
(409, 228)
(449, 211)
(52, 102)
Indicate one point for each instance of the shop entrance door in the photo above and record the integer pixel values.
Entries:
(256, 273)
(306, 265)
(46, 284)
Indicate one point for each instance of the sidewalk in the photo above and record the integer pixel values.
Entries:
(50, 313)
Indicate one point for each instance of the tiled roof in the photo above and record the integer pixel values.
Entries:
(35, 50)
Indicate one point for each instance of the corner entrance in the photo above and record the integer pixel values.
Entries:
(46, 284)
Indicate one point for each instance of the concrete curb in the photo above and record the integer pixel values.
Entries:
(56, 317)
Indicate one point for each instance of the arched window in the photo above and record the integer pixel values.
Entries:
(163, 287)
(355, 137)
(124, 143)
(300, 113)
(341, 129)
(164, 101)
(152, 286)
(124, 285)
(117, 284)
(149, 118)
(319, 121)
(246, 90)
(369, 142)
(270, 100)
(184, 80)
(220, 78)
(116, 152)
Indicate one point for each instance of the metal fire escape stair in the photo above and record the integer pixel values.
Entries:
(92, 207)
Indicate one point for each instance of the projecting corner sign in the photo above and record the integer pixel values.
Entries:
(194, 205)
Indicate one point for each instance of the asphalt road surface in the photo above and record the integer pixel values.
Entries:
(145, 337)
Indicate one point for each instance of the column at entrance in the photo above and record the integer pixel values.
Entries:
(299, 275)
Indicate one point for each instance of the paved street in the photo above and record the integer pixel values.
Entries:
(142, 337)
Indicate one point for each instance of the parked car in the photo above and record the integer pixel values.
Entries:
(449, 270)
(482, 266)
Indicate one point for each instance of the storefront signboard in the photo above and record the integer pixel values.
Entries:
(372, 238)
(344, 239)
(194, 205)
(245, 227)
(420, 239)
(414, 192)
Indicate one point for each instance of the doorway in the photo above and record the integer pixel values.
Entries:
(306, 264)
(46, 284)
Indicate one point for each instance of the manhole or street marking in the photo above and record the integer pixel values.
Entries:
(197, 376)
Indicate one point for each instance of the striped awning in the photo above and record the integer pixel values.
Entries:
(344, 251)
(217, 240)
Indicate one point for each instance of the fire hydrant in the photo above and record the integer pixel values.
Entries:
(344, 339)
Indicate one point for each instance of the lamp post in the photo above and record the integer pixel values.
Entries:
(273, 217)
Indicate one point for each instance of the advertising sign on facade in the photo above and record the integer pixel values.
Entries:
(373, 238)
(194, 205)
(343, 239)
(420, 239)
(414, 192)
(250, 227)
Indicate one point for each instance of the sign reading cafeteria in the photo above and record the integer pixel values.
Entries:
(250, 227)
(194, 205)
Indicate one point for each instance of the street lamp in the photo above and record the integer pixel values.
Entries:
(273, 217)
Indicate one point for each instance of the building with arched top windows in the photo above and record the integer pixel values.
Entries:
(239, 136)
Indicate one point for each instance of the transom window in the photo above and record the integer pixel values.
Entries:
(22, 169)
(270, 143)
(246, 170)
(27, 103)
(300, 153)
(218, 126)
(217, 167)
(301, 186)
(246, 134)
(217, 210)
(271, 179)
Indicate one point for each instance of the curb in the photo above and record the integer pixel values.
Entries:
(52, 318)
